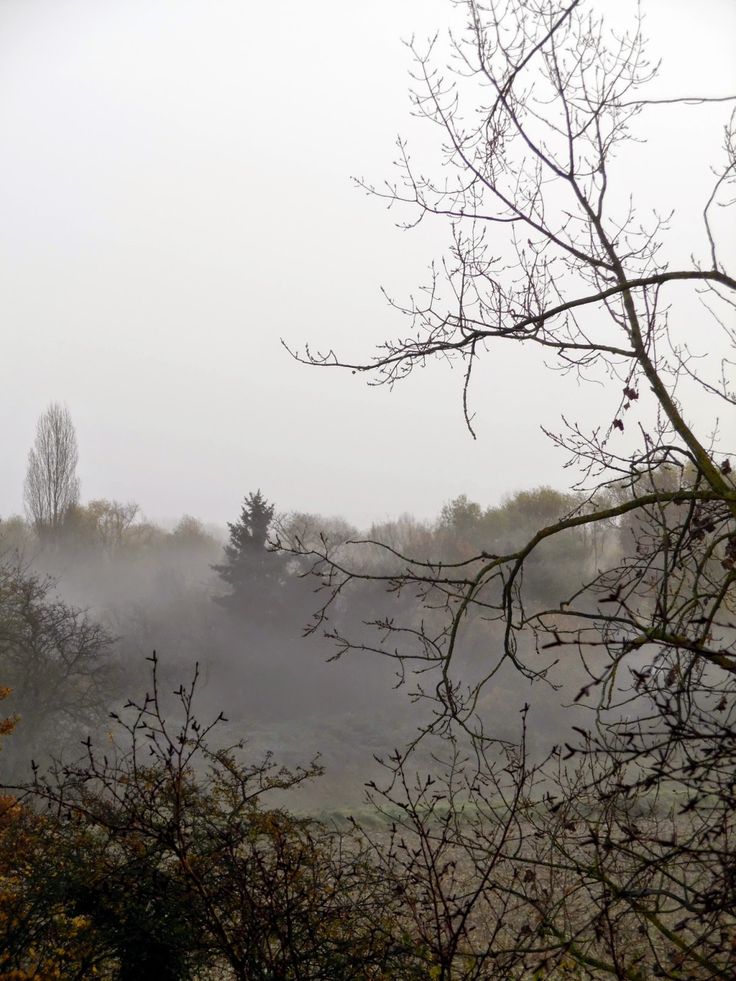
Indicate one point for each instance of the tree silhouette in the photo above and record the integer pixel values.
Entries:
(536, 102)
(51, 486)
(254, 573)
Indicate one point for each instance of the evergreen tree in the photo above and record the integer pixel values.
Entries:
(255, 574)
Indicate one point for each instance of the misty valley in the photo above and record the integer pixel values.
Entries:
(281, 736)
(88, 603)
(206, 737)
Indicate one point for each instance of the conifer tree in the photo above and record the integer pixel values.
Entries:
(254, 573)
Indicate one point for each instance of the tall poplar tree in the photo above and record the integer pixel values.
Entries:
(51, 486)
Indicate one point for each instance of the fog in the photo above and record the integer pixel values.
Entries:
(175, 186)
(177, 201)
(153, 589)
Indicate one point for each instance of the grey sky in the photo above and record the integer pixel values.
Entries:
(174, 185)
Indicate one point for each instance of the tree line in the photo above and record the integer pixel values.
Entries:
(607, 852)
(66, 665)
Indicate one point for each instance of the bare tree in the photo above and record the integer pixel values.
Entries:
(537, 100)
(634, 871)
(112, 520)
(51, 485)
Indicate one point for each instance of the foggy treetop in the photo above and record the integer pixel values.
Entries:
(176, 197)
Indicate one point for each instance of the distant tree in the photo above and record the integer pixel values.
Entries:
(190, 534)
(461, 514)
(51, 486)
(254, 573)
(100, 524)
(16, 536)
(144, 535)
(112, 520)
(300, 526)
(464, 529)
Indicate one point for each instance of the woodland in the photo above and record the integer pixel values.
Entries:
(496, 745)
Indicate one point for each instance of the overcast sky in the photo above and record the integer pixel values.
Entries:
(175, 197)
